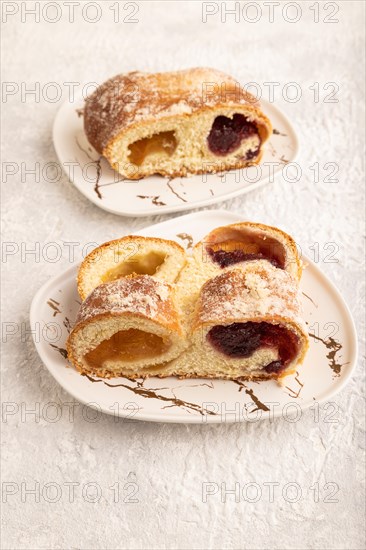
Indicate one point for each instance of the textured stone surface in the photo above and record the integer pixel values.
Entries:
(169, 463)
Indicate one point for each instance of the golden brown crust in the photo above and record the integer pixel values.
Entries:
(254, 292)
(136, 97)
(141, 297)
(134, 100)
(122, 244)
(277, 237)
(260, 293)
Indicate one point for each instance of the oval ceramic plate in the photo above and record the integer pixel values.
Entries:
(327, 367)
(92, 175)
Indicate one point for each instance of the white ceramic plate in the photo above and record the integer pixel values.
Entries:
(327, 367)
(92, 175)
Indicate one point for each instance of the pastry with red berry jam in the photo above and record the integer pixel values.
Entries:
(150, 310)
(238, 244)
(248, 325)
(179, 123)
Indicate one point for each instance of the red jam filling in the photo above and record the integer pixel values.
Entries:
(241, 340)
(226, 257)
(227, 134)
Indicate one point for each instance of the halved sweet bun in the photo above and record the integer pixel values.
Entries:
(248, 325)
(240, 243)
(230, 311)
(128, 257)
(125, 327)
(176, 123)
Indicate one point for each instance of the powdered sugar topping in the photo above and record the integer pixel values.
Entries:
(261, 290)
(140, 295)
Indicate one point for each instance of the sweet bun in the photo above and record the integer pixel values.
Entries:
(248, 325)
(130, 256)
(237, 244)
(175, 123)
(126, 326)
(232, 310)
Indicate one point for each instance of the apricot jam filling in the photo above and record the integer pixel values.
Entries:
(127, 345)
(161, 143)
(252, 248)
(227, 134)
(139, 265)
(241, 340)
